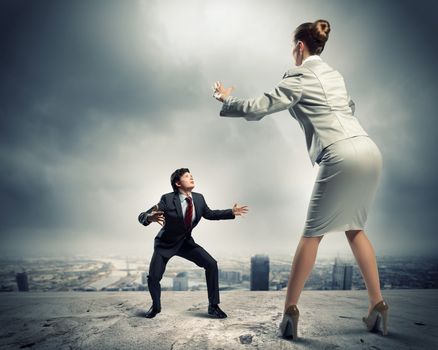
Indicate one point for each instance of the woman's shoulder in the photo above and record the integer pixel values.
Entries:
(295, 72)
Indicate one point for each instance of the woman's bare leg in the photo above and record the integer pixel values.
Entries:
(302, 265)
(366, 259)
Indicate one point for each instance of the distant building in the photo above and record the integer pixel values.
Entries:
(6, 288)
(129, 288)
(22, 282)
(231, 277)
(342, 275)
(279, 285)
(259, 272)
(144, 278)
(181, 281)
(348, 277)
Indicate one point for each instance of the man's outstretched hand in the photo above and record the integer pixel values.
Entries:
(240, 210)
(156, 216)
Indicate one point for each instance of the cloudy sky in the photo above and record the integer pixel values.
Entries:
(101, 100)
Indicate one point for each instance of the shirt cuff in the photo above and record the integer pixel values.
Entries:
(147, 218)
(226, 105)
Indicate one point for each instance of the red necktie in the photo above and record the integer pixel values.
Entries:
(189, 213)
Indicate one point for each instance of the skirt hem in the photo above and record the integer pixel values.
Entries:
(340, 228)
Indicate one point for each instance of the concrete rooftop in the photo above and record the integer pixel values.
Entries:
(115, 320)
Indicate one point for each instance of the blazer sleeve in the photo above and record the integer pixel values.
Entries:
(143, 216)
(209, 214)
(284, 95)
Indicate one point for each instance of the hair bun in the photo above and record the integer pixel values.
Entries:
(321, 30)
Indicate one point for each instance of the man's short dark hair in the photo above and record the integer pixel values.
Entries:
(176, 176)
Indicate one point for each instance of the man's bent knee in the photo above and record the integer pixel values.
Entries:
(211, 265)
(154, 278)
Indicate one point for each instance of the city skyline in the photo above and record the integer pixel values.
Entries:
(258, 272)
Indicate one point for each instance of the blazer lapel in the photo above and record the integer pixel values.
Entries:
(177, 204)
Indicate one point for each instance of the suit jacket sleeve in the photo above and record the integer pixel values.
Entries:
(283, 96)
(142, 217)
(209, 214)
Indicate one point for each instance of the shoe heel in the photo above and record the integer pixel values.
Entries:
(288, 330)
(295, 327)
(290, 327)
(384, 321)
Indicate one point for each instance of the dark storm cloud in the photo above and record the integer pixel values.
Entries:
(58, 63)
(406, 72)
(62, 77)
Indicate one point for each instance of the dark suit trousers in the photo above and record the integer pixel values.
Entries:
(196, 254)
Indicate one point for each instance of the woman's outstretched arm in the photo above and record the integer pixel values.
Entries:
(283, 96)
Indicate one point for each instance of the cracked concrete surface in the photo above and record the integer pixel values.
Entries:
(115, 320)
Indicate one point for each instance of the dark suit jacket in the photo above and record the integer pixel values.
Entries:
(174, 233)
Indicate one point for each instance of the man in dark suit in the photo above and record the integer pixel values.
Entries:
(178, 213)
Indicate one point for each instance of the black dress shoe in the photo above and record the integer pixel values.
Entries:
(153, 311)
(214, 310)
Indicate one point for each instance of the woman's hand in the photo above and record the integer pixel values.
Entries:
(220, 92)
(240, 210)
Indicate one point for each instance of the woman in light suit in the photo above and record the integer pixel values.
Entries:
(349, 162)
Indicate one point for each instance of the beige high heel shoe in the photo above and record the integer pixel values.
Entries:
(378, 318)
(289, 324)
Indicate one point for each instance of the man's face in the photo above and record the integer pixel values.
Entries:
(186, 182)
